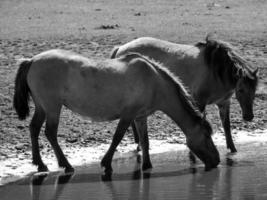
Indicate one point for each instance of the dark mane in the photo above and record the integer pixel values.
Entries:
(226, 63)
(186, 99)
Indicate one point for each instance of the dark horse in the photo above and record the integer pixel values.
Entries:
(211, 70)
(104, 91)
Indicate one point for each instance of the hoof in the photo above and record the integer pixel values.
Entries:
(106, 164)
(147, 166)
(103, 163)
(42, 168)
(192, 158)
(106, 177)
(138, 158)
(107, 167)
(108, 170)
(147, 174)
(138, 148)
(233, 150)
(69, 170)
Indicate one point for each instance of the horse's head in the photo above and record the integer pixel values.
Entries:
(245, 93)
(203, 147)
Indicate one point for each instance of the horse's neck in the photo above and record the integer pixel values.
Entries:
(212, 90)
(187, 63)
(172, 106)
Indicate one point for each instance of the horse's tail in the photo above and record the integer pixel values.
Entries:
(114, 52)
(22, 90)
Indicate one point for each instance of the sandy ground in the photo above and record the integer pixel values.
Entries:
(92, 28)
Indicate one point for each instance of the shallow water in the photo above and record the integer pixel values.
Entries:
(239, 176)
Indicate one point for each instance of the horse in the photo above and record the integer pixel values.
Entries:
(127, 88)
(211, 70)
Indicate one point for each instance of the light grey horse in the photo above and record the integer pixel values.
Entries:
(211, 70)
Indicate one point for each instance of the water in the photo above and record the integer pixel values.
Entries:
(239, 176)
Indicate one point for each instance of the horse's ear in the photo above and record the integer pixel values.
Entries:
(240, 72)
(256, 72)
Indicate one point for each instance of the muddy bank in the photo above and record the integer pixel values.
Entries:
(19, 166)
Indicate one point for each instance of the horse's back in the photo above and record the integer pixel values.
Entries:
(61, 58)
(186, 61)
(145, 45)
(150, 46)
(177, 57)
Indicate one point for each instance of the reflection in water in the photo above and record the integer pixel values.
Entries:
(204, 187)
(60, 183)
(240, 176)
(138, 188)
(135, 185)
(227, 192)
(35, 185)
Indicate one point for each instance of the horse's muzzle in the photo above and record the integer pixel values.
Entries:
(212, 161)
(211, 165)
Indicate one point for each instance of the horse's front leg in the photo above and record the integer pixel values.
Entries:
(119, 133)
(141, 126)
(224, 109)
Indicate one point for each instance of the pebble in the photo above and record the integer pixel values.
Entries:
(71, 140)
(20, 127)
(20, 146)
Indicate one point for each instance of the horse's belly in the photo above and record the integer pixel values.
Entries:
(102, 96)
(97, 108)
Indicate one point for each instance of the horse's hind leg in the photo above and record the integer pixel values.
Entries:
(225, 118)
(35, 127)
(119, 133)
(52, 120)
(141, 126)
(136, 137)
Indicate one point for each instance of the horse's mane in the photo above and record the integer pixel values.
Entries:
(226, 63)
(186, 99)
